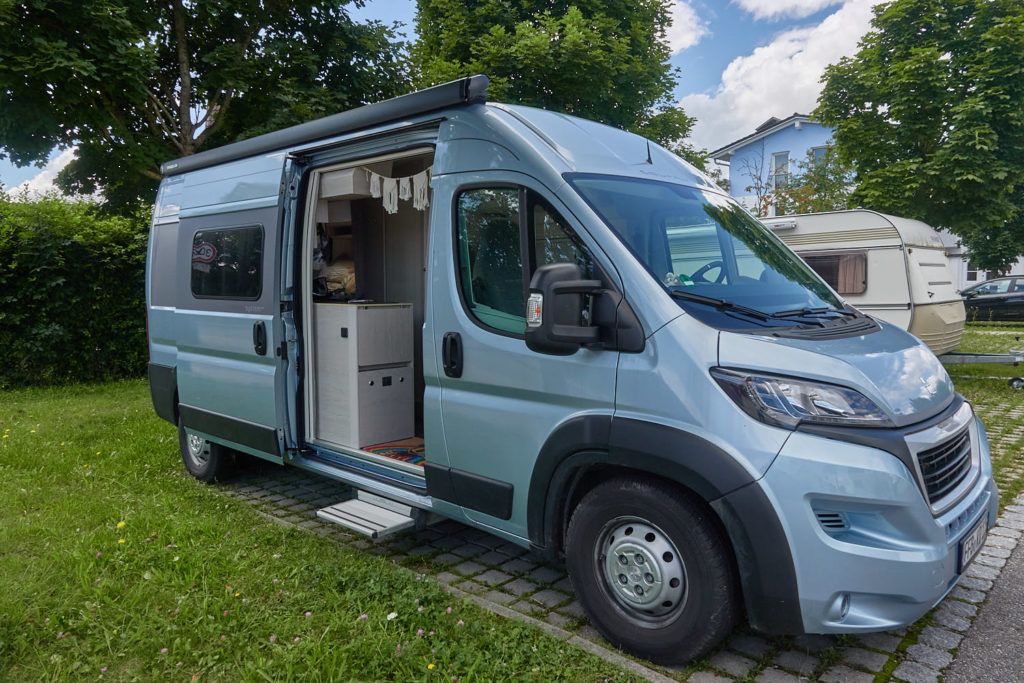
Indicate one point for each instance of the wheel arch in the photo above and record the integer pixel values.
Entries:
(587, 450)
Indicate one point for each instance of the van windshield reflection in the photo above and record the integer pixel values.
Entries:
(721, 264)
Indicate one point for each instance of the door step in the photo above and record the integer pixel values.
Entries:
(370, 515)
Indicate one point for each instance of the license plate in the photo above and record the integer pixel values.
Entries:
(971, 544)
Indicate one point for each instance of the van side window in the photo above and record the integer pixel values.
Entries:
(845, 273)
(227, 263)
(490, 257)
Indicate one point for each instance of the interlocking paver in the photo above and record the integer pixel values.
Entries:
(814, 642)
(519, 587)
(844, 674)
(886, 642)
(732, 663)
(573, 609)
(545, 574)
(967, 595)
(492, 558)
(468, 550)
(930, 656)
(940, 638)
(708, 677)
(949, 620)
(802, 663)
(961, 609)
(912, 672)
(493, 577)
(499, 597)
(866, 659)
(518, 566)
(469, 567)
(975, 584)
(772, 675)
(549, 597)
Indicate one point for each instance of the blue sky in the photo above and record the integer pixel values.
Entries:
(741, 62)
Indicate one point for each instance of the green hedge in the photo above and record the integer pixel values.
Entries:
(72, 299)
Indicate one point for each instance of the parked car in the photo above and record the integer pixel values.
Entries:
(565, 335)
(998, 299)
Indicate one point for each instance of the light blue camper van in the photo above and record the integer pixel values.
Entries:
(562, 334)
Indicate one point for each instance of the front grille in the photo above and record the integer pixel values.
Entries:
(943, 467)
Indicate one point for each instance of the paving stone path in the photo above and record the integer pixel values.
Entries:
(506, 579)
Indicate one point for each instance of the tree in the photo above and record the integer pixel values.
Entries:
(823, 184)
(929, 113)
(134, 83)
(604, 61)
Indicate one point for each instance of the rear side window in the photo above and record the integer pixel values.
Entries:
(227, 263)
(845, 273)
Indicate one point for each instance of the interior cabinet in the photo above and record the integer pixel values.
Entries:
(363, 373)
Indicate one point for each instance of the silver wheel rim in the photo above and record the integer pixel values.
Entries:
(642, 570)
(198, 451)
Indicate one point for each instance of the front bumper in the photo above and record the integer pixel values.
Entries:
(868, 550)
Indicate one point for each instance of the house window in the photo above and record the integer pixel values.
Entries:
(818, 154)
(227, 263)
(780, 169)
(845, 273)
(972, 272)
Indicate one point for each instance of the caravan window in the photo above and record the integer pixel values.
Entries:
(227, 263)
(845, 273)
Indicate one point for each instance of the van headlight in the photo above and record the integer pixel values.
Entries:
(787, 402)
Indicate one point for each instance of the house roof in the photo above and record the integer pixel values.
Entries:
(764, 130)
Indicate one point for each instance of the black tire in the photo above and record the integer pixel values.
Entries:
(204, 460)
(696, 601)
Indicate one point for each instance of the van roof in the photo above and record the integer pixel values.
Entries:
(469, 90)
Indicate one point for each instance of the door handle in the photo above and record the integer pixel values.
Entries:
(259, 338)
(451, 354)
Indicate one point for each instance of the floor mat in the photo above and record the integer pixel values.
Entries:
(406, 450)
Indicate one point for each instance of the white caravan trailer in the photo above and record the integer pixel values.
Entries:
(892, 268)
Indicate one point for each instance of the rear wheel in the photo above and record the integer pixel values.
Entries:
(204, 460)
(652, 569)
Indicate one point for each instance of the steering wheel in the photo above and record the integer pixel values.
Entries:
(703, 270)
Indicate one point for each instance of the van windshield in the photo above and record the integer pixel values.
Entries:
(722, 265)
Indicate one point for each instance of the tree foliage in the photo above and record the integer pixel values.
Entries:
(822, 184)
(929, 113)
(135, 83)
(604, 61)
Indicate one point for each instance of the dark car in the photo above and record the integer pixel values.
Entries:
(998, 299)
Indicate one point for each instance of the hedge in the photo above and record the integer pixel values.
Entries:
(72, 298)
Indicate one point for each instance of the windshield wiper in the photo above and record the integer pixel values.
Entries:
(720, 304)
(814, 311)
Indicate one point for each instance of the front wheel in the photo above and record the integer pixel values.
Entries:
(204, 460)
(652, 570)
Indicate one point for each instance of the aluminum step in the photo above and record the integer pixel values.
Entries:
(370, 515)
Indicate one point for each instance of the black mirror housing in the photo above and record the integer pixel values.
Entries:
(558, 314)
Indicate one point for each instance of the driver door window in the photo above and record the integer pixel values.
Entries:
(493, 276)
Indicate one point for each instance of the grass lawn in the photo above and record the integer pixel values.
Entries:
(114, 563)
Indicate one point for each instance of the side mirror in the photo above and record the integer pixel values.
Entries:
(557, 318)
(971, 294)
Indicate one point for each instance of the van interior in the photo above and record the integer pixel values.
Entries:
(363, 281)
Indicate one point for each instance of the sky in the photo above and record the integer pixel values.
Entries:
(740, 61)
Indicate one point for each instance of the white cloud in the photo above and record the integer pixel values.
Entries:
(775, 9)
(42, 182)
(777, 79)
(686, 29)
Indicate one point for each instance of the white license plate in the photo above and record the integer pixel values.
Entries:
(971, 544)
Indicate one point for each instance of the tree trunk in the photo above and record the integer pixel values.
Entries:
(185, 127)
